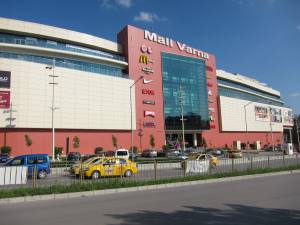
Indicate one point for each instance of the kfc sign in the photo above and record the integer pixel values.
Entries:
(147, 92)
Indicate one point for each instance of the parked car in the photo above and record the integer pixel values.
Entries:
(73, 156)
(121, 153)
(213, 161)
(4, 158)
(215, 151)
(76, 169)
(149, 153)
(234, 154)
(111, 166)
(40, 162)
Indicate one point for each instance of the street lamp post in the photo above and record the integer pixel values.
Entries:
(246, 124)
(131, 120)
(297, 132)
(182, 119)
(51, 67)
(271, 129)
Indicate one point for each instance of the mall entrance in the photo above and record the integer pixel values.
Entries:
(191, 139)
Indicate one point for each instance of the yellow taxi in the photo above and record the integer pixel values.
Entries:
(76, 169)
(213, 161)
(111, 166)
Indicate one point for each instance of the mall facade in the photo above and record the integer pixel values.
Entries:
(146, 83)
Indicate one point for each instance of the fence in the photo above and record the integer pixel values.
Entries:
(60, 172)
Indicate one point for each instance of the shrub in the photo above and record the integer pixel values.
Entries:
(134, 148)
(58, 150)
(6, 150)
(166, 147)
(152, 141)
(98, 150)
(243, 145)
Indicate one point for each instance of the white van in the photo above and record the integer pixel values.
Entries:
(122, 153)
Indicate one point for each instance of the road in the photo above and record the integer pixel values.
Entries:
(269, 200)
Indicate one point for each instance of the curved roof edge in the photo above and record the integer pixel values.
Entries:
(44, 31)
(238, 78)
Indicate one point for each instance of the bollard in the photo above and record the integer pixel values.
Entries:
(268, 161)
(155, 169)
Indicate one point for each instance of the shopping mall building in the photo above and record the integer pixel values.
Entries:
(145, 82)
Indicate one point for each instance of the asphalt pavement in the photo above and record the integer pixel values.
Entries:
(267, 200)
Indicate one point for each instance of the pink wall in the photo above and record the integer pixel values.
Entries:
(42, 140)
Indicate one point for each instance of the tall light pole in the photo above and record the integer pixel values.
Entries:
(51, 67)
(297, 132)
(246, 124)
(271, 129)
(182, 119)
(131, 120)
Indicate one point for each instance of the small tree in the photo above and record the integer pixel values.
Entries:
(76, 142)
(28, 141)
(98, 150)
(58, 151)
(6, 150)
(152, 141)
(114, 141)
(134, 148)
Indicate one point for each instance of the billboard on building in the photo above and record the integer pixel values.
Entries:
(288, 117)
(261, 114)
(275, 114)
(4, 99)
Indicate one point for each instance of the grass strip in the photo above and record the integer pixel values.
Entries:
(124, 183)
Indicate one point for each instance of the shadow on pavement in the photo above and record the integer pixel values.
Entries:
(235, 215)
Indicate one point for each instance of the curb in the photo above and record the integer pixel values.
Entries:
(139, 188)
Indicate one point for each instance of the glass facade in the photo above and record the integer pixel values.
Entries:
(44, 43)
(68, 63)
(245, 96)
(247, 88)
(184, 78)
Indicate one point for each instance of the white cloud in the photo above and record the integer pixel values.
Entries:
(124, 3)
(296, 94)
(108, 4)
(148, 17)
(298, 27)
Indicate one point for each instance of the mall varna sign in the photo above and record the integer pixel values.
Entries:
(169, 42)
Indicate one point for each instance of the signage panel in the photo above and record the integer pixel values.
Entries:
(149, 113)
(150, 124)
(261, 114)
(148, 102)
(275, 114)
(5, 79)
(147, 92)
(4, 99)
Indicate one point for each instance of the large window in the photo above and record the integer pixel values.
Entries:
(184, 78)
(245, 96)
(247, 88)
(44, 43)
(68, 63)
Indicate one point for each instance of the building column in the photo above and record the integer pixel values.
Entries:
(195, 139)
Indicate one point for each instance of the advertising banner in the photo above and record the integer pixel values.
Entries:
(4, 99)
(261, 114)
(4, 79)
(275, 115)
(196, 166)
(288, 117)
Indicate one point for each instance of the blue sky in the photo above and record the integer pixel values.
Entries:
(257, 38)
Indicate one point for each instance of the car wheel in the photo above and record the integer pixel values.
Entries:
(42, 174)
(95, 175)
(128, 173)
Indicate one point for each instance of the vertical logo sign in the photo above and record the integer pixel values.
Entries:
(5, 79)
(4, 99)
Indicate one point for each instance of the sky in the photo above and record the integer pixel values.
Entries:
(256, 38)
